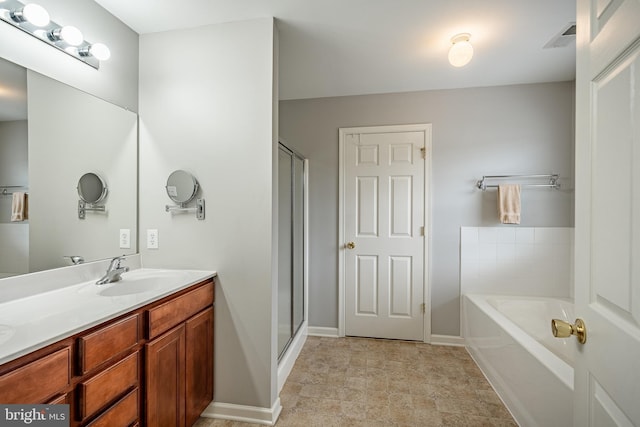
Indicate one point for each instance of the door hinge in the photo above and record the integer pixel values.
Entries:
(422, 231)
(423, 151)
(423, 308)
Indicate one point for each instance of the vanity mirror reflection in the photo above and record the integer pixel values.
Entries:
(92, 190)
(62, 134)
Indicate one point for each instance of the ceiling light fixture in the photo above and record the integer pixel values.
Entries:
(34, 20)
(461, 51)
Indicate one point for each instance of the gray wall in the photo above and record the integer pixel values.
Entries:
(206, 106)
(117, 79)
(523, 129)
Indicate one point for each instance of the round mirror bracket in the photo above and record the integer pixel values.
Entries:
(92, 189)
(181, 188)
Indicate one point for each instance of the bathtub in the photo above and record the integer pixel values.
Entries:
(510, 339)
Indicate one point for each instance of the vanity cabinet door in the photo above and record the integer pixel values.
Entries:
(165, 381)
(199, 365)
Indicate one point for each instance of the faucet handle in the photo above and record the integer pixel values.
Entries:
(115, 262)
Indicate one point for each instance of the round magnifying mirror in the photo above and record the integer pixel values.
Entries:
(181, 186)
(91, 188)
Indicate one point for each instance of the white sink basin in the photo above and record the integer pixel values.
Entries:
(129, 287)
(142, 281)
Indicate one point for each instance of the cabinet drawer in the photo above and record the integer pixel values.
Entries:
(175, 311)
(106, 386)
(39, 380)
(105, 343)
(59, 400)
(123, 413)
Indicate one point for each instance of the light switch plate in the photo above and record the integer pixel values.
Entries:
(125, 238)
(152, 239)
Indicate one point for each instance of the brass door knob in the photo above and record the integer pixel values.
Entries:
(350, 245)
(562, 329)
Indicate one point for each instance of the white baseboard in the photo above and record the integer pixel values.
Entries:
(245, 414)
(319, 331)
(447, 340)
(291, 355)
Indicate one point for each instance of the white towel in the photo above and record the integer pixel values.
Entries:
(19, 206)
(509, 203)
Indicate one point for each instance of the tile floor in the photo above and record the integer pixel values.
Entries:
(367, 382)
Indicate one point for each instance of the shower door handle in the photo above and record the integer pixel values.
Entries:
(562, 329)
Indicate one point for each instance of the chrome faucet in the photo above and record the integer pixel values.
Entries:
(75, 259)
(113, 272)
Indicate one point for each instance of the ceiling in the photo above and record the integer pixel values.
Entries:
(353, 47)
(356, 47)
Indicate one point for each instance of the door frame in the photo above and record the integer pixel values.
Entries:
(426, 128)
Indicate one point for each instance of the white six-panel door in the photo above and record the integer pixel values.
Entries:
(382, 246)
(607, 276)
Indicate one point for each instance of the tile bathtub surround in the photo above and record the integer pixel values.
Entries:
(534, 261)
(367, 382)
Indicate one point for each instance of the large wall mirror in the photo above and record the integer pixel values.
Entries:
(50, 135)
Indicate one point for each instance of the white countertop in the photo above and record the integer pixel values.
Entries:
(33, 321)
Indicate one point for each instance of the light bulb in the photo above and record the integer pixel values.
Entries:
(71, 35)
(100, 51)
(462, 51)
(32, 13)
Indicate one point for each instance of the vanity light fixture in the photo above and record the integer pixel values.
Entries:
(69, 34)
(32, 13)
(99, 50)
(461, 50)
(33, 19)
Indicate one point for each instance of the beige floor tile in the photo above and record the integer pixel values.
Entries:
(361, 382)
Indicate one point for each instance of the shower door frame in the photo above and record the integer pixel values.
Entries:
(297, 329)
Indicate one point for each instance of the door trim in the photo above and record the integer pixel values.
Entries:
(426, 128)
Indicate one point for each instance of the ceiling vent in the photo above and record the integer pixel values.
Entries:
(565, 37)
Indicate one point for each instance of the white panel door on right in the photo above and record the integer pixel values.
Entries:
(607, 235)
(384, 246)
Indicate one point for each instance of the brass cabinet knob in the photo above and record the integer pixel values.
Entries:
(350, 245)
(562, 329)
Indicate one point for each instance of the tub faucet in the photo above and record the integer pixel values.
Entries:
(113, 272)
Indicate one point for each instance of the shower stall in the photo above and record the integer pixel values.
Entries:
(291, 246)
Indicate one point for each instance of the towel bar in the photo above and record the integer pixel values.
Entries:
(553, 180)
(5, 189)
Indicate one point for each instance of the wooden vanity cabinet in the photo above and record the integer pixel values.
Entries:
(198, 368)
(179, 372)
(151, 367)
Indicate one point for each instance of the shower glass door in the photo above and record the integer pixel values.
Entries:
(290, 246)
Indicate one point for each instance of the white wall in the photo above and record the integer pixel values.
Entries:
(481, 131)
(206, 106)
(117, 79)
